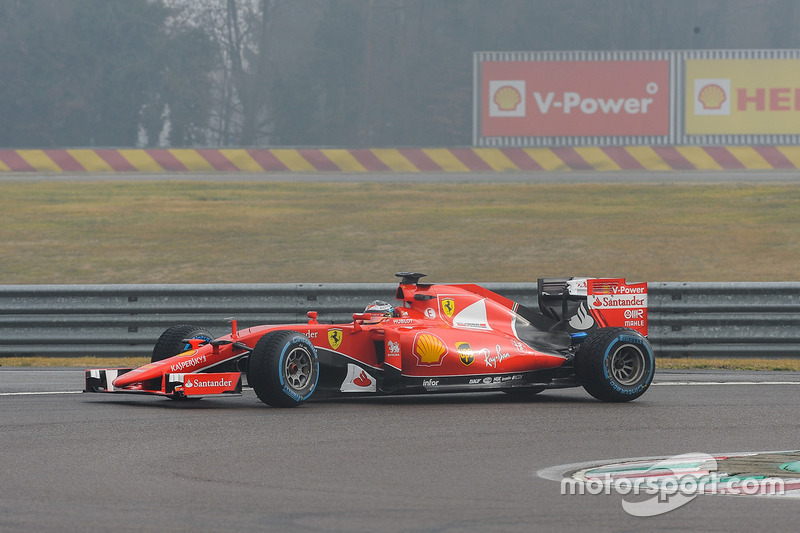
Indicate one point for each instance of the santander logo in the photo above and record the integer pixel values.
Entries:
(207, 383)
(362, 380)
(582, 319)
(358, 380)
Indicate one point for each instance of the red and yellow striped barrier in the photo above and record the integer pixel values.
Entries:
(404, 159)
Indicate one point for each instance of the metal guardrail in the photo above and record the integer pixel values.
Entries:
(685, 319)
(126, 320)
(752, 319)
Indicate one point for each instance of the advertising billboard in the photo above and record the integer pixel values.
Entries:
(629, 98)
(574, 98)
(742, 96)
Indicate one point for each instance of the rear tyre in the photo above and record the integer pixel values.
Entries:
(173, 341)
(283, 369)
(615, 364)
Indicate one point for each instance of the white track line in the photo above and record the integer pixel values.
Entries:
(40, 393)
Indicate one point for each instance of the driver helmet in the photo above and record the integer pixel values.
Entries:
(379, 307)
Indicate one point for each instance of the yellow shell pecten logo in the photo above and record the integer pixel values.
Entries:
(507, 98)
(429, 349)
(712, 96)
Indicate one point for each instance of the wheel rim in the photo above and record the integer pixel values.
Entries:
(628, 365)
(298, 368)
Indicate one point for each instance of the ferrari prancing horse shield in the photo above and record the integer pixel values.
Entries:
(335, 338)
(448, 307)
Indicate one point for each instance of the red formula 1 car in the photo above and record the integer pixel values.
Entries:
(438, 338)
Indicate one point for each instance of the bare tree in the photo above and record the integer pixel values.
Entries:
(243, 82)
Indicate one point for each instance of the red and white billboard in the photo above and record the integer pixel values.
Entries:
(574, 98)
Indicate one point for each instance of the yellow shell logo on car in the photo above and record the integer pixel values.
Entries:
(429, 349)
(507, 98)
(712, 96)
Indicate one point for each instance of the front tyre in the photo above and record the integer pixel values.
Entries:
(283, 368)
(615, 364)
(173, 341)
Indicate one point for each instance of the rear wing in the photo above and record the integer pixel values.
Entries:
(581, 304)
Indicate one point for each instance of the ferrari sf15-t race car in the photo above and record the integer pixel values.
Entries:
(438, 338)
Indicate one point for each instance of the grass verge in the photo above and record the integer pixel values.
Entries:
(255, 232)
(76, 362)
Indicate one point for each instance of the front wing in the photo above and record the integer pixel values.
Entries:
(195, 385)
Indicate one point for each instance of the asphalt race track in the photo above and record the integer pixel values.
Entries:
(79, 462)
(482, 463)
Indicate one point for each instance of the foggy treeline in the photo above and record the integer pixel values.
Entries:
(354, 73)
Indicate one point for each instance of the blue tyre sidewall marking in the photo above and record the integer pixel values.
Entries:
(645, 348)
(315, 362)
(284, 387)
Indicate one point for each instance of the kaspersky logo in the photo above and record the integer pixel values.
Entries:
(188, 363)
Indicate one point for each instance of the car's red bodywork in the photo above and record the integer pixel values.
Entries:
(456, 337)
